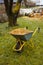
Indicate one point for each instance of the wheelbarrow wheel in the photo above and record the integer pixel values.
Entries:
(19, 51)
(17, 45)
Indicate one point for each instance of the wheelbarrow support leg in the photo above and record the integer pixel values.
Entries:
(31, 45)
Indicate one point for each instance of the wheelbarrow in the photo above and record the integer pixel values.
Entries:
(22, 35)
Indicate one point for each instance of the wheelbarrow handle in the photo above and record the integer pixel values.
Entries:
(35, 31)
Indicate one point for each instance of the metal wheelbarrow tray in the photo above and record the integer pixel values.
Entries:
(21, 35)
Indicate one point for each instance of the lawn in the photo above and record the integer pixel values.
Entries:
(29, 55)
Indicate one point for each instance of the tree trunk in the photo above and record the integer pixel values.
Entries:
(12, 14)
(12, 20)
(16, 11)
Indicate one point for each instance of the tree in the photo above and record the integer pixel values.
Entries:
(12, 14)
(29, 3)
(26, 3)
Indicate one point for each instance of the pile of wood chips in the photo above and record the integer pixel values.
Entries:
(37, 15)
(20, 31)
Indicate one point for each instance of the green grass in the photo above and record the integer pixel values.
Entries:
(29, 55)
